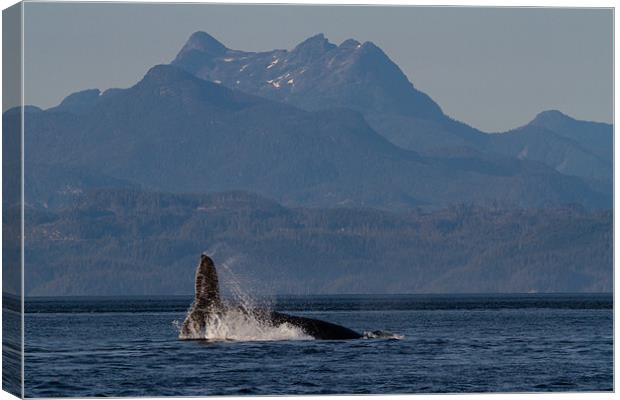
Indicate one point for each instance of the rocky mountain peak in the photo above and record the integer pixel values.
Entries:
(314, 46)
(550, 117)
(349, 44)
(205, 43)
(164, 74)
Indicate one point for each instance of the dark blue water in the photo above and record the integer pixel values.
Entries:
(517, 343)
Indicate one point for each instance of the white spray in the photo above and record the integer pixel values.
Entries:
(237, 322)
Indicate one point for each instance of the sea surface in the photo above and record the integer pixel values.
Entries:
(437, 344)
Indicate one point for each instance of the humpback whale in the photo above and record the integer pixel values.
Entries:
(207, 306)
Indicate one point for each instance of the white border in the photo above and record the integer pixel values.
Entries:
(477, 3)
(23, 210)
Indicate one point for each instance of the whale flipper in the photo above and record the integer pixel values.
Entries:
(206, 300)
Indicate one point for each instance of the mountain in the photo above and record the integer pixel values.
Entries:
(572, 147)
(128, 242)
(318, 74)
(79, 101)
(314, 75)
(316, 170)
(175, 132)
(594, 137)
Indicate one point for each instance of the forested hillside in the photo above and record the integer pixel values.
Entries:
(123, 242)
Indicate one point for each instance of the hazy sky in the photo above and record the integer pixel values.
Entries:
(494, 68)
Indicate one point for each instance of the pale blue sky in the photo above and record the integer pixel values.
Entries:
(494, 68)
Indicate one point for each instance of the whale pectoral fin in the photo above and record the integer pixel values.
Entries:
(207, 293)
(206, 300)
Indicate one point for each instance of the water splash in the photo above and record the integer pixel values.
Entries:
(242, 297)
(239, 320)
(382, 335)
(239, 325)
(243, 319)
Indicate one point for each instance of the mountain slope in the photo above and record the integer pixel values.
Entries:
(572, 147)
(175, 132)
(595, 137)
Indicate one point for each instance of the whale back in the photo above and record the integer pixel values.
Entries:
(316, 328)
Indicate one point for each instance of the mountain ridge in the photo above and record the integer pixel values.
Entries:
(318, 74)
(571, 146)
(173, 131)
(306, 62)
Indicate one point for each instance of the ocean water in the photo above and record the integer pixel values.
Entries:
(439, 343)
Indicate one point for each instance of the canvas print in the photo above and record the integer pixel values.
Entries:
(220, 199)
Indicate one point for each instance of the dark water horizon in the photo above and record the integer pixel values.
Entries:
(462, 343)
(142, 303)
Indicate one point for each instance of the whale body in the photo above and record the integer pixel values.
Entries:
(207, 306)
